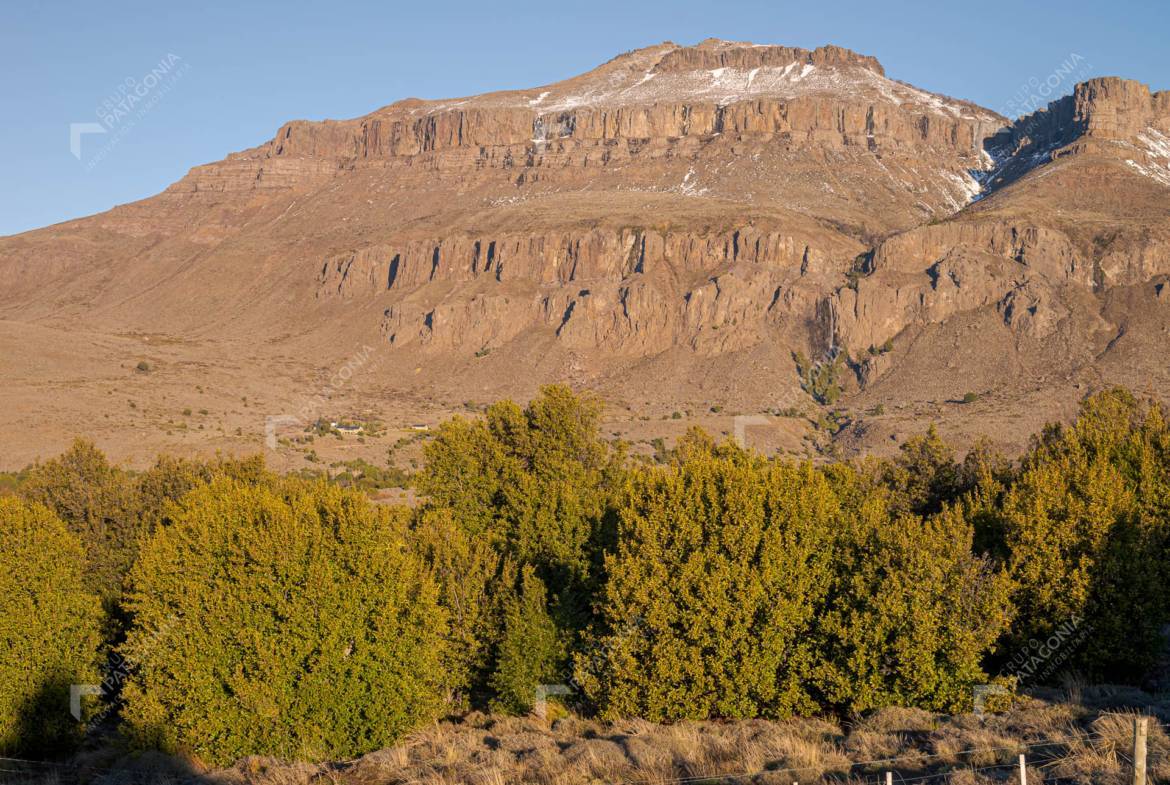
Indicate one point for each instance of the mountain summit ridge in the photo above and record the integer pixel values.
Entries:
(683, 219)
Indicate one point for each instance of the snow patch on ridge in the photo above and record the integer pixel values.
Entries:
(728, 84)
(1156, 165)
(1157, 150)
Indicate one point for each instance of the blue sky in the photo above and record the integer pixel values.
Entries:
(229, 73)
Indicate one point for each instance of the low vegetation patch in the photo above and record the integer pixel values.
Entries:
(545, 565)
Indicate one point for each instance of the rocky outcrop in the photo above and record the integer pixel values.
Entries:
(826, 98)
(823, 120)
(929, 274)
(306, 153)
(245, 173)
(561, 258)
(1113, 108)
(642, 290)
(714, 53)
(635, 290)
(1107, 109)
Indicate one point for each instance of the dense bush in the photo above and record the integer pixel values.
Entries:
(536, 484)
(741, 587)
(911, 615)
(821, 380)
(97, 501)
(466, 569)
(720, 566)
(530, 650)
(287, 621)
(49, 629)
(1086, 530)
(270, 615)
(113, 510)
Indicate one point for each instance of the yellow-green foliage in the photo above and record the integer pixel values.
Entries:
(534, 480)
(112, 510)
(171, 478)
(534, 484)
(742, 587)
(911, 614)
(821, 380)
(97, 502)
(720, 566)
(49, 629)
(275, 616)
(466, 569)
(1086, 527)
(296, 624)
(922, 477)
(530, 651)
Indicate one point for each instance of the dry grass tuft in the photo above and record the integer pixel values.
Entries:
(1085, 744)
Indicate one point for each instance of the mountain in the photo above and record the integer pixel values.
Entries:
(673, 229)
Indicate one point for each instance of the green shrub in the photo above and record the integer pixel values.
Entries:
(296, 624)
(165, 483)
(537, 484)
(466, 569)
(1087, 527)
(719, 569)
(96, 501)
(923, 477)
(535, 480)
(530, 652)
(361, 474)
(50, 629)
(911, 614)
(821, 380)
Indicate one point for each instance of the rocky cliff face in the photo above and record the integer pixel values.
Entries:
(634, 289)
(653, 99)
(1023, 252)
(788, 114)
(716, 202)
(1105, 112)
(640, 289)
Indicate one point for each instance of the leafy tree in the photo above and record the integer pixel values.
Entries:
(171, 478)
(1087, 530)
(467, 571)
(293, 622)
(465, 471)
(718, 573)
(911, 614)
(923, 477)
(986, 475)
(537, 483)
(49, 629)
(97, 502)
(530, 651)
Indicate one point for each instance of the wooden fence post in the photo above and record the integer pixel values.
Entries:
(1139, 750)
(1023, 770)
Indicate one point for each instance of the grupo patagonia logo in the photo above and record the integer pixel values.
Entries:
(125, 105)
